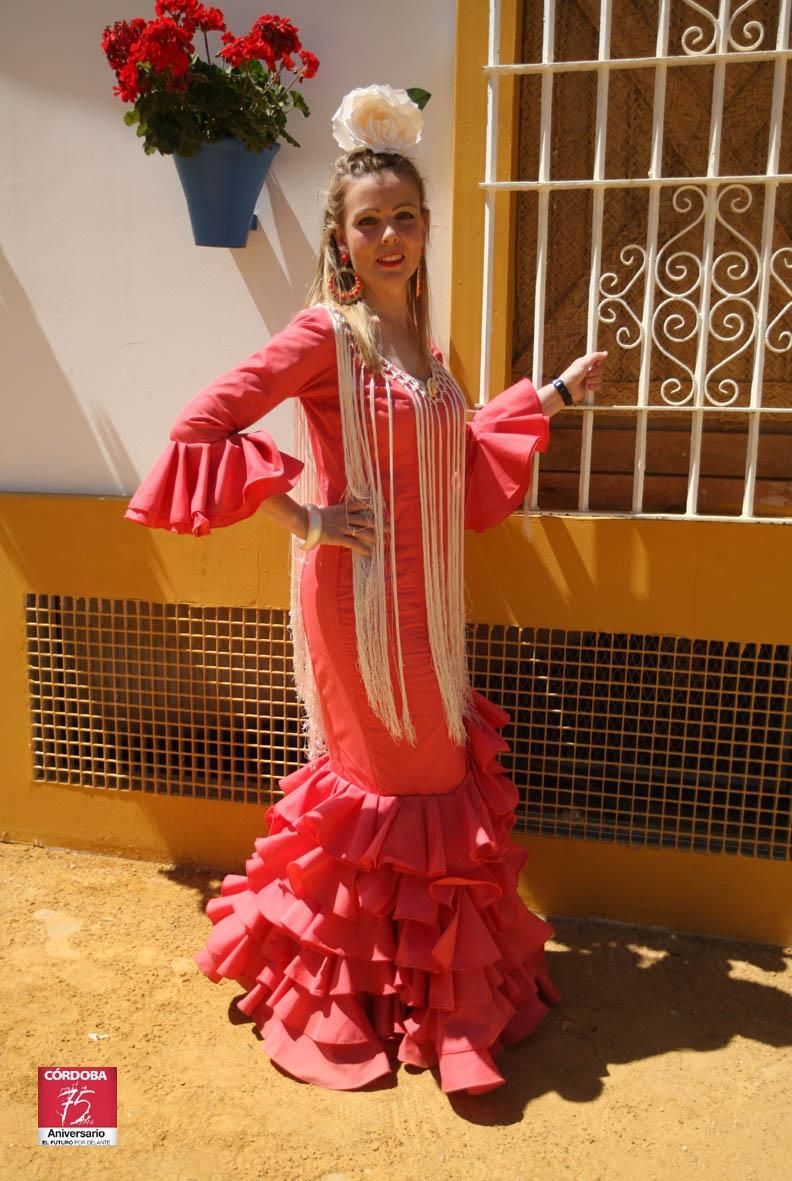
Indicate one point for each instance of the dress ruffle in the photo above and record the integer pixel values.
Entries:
(368, 926)
(196, 487)
(501, 440)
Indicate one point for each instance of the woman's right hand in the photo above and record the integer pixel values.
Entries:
(584, 375)
(350, 524)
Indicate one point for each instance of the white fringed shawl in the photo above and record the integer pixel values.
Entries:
(440, 434)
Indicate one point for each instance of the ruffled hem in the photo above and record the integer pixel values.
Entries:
(197, 487)
(369, 928)
(502, 438)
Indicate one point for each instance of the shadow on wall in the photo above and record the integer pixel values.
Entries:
(277, 292)
(46, 397)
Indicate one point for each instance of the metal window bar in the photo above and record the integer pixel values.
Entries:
(714, 190)
(597, 213)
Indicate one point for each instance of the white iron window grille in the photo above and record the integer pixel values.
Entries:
(697, 288)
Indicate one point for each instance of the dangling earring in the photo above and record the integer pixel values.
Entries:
(352, 287)
(419, 278)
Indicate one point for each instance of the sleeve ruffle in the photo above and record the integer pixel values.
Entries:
(501, 440)
(196, 487)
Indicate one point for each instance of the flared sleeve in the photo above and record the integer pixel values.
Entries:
(501, 440)
(210, 474)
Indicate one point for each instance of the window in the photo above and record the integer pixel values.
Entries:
(637, 180)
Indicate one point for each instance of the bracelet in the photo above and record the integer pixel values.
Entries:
(560, 385)
(314, 534)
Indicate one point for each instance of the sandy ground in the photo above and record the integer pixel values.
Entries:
(669, 1056)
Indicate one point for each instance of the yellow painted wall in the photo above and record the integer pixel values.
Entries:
(704, 580)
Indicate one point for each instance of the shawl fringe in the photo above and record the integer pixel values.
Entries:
(440, 433)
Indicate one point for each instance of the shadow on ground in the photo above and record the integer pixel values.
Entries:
(628, 993)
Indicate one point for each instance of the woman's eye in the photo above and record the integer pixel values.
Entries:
(367, 221)
(405, 214)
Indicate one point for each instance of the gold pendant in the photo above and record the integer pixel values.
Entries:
(431, 388)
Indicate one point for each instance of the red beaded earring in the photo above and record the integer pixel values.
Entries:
(351, 287)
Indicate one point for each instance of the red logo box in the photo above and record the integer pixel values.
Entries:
(77, 1105)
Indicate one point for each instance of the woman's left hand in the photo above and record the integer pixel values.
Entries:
(584, 375)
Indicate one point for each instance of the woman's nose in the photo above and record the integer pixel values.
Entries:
(389, 233)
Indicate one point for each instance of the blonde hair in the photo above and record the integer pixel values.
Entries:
(352, 166)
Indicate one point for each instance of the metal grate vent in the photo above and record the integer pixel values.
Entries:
(161, 697)
(644, 740)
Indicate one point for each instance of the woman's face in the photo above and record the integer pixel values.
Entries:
(384, 230)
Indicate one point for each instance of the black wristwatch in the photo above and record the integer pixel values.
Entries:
(563, 391)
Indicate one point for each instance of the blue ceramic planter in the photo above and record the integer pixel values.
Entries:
(222, 182)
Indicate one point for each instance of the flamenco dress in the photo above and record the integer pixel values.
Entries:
(379, 920)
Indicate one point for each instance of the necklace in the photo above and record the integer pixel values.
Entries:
(432, 388)
(428, 388)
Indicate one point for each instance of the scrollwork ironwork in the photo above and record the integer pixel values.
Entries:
(615, 297)
(781, 257)
(721, 303)
(695, 34)
(752, 31)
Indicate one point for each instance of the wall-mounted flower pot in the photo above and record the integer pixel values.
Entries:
(222, 182)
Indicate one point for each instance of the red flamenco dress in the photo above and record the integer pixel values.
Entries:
(379, 921)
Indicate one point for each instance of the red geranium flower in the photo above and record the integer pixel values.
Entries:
(155, 60)
(280, 34)
(210, 20)
(128, 87)
(242, 49)
(310, 63)
(163, 45)
(274, 40)
(182, 11)
(118, 39)
(190, 15)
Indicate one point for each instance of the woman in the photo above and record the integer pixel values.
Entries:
(379, 921)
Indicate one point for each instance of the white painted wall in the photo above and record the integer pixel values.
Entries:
(111, 318)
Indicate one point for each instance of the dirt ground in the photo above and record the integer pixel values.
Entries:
(669, 1055)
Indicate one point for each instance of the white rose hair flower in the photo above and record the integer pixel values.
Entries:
(380, 118)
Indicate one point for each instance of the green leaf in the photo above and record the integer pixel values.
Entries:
(419, 97)
(251, 104)
(256, 70)
(299, 102)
